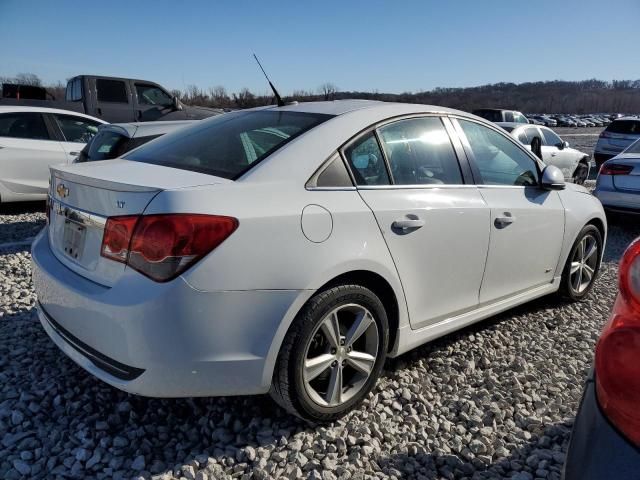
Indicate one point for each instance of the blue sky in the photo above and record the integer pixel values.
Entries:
(387, 46)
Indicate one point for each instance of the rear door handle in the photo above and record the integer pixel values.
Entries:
(506, 220)
(408, 224)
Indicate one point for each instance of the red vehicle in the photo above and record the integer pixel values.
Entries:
(605, 442)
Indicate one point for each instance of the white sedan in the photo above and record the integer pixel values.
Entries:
(574, 164)
(292, 249)
(31, 140)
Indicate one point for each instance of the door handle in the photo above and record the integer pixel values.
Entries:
(139, 114)
(74, 154)
(506, 220)
(99, 110)
(407, 224)
(554, 154)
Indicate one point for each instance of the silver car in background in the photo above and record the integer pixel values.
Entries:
(618, 135)
(618, 183)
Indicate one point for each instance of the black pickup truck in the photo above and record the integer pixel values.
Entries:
(118, 100)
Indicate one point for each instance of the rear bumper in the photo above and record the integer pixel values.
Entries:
(160, 340)
(596, 450)
(614, 199)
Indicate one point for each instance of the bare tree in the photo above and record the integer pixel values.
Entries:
(328, 90)
(28, 79)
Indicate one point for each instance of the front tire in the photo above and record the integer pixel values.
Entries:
(581, 173)
(583, 264)
(332, 354)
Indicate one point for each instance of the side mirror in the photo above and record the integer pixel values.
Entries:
(176, 104)
(562, 145)
(552, 178)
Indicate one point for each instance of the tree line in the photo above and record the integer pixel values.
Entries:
(557, 96)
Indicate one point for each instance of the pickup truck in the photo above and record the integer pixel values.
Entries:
(118, 100)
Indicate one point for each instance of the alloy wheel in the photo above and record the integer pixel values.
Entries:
(583, 264)
(341, 355)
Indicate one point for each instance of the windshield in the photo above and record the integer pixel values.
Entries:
(228, 145)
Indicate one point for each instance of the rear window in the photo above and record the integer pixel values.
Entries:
(104, 145)
(631, 127)
(228, 145)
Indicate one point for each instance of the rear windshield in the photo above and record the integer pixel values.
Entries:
(633, 148)
(228, 145)
(103, 146)
(624, 126)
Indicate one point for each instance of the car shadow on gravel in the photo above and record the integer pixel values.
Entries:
(17, 208)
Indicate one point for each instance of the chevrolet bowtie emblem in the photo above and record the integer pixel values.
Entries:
(62, 190)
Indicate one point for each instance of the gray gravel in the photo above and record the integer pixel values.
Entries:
(495, 400)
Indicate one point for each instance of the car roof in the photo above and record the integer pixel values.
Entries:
(342, 107)
(515, 125)
(629, 117)
(17, 108)
(143, 129)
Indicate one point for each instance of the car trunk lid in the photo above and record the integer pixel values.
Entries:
(630, 181)
(83, 196)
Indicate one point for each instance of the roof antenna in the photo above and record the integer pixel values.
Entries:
(275, 92)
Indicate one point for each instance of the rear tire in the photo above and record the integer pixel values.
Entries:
(332, 355)
(583, 264)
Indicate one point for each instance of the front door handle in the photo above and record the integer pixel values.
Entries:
(74, 154)
(407, 224)
(554, 154)
(506, 220)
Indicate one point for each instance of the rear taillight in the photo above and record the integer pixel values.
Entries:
(615, 169)
(164, 246)
(617, 360)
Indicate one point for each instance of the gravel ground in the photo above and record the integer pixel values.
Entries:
(495, 400)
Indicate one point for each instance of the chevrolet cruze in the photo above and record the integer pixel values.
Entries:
(292, 249)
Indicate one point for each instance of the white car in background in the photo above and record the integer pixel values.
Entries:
(292, 249)
(31, 140)
(574, 164)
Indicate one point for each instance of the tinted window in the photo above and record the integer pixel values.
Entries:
(550, 138)
(76, 129)
(508, 117)
(111, 91)
(23, 125)
(152, 95)
(335, 175)
(105, 145)
(499, 160)
(366, 161)
(229, 144)
(624, 126)
(419, 151)
(491, 115)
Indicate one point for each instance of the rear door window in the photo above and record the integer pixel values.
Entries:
(228, 145)
(114, 91)
(420, 152)
(27, 125)
(366, 161)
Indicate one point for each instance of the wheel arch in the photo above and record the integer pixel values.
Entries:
(391, 298)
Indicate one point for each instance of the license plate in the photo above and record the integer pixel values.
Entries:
(73, 239)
